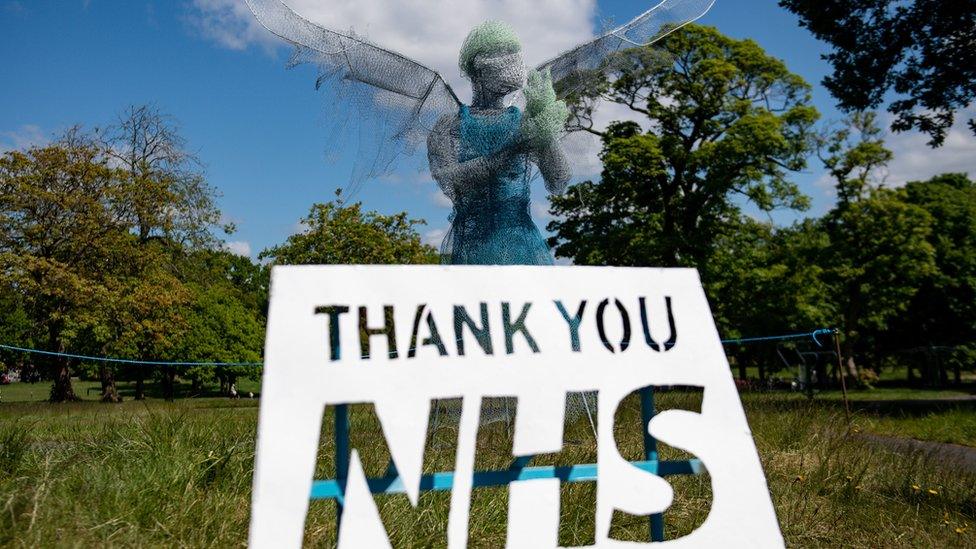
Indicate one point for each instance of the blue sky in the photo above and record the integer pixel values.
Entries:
(259, 128)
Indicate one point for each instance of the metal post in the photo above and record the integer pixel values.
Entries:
(341, 455)
(650, 454)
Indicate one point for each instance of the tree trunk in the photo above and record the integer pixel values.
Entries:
(169, 384)
(140, 385)
(850, 366)
(109, 392)
(61, 390)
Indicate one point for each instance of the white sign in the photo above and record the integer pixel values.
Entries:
(535, 333)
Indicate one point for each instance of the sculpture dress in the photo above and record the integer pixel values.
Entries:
(492, 224)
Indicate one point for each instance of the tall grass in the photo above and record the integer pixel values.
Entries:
(179, 474)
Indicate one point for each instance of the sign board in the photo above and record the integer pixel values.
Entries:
(535, 333)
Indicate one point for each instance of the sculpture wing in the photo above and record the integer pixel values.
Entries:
(380, 101)
(645, 29)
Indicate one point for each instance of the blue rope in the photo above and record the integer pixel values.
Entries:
(127, 360)
(813, 335)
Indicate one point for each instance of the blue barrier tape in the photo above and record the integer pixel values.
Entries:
(439, 482)
(126, 360)
(813, 335)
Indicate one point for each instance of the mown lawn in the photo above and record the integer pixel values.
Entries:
(92, 390)
(167, 474)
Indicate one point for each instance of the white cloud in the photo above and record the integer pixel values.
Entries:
(540, 211)
(229, 23)
(430, 31)
(300, 227)
(239, 247)
(434, 237)
(22, 138)
(440, 199)
(915, 161)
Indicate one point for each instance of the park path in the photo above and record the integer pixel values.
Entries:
(914, 405)
(949, 454)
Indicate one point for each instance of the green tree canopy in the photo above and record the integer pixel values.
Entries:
(879, 255)
(922, 50)
(943, 312)
(61, 223)
(853, 155)
(95, 230)
(726, 122)
(336, 233)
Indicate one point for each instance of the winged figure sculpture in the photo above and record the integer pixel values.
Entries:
(483, 154)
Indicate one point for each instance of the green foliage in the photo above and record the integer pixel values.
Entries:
(61, 225)
(726, 122)
(922, 50)
(98, 235)
(226, 318)
(853, 154)
(943, 312)
(336, 233)
(879, 252)
(878, 257)
(15, 325)
(617, 221)
(765, 280)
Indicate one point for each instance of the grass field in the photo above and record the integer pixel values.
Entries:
(178, 474)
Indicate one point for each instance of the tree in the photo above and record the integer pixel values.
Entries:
(221, 329)
(60, 221)
(854, 155)
(879, 254)
(879, 251)
(727, 123)
(171, 210)
(15, 325)
(169, 198)
(950, 199)
(763, 279)
(922, 50)
(225, 317)
(337, 233)
(943, 311)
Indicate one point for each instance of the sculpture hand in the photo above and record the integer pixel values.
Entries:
(546, 116)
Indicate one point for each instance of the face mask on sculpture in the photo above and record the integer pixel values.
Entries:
(498, 74)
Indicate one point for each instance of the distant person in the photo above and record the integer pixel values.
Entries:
(233, 391)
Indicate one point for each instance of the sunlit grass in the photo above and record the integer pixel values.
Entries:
(171, 474)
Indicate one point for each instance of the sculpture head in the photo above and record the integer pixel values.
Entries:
(491, 57)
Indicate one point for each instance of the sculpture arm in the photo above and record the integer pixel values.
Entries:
(554, 166)
(454, 176)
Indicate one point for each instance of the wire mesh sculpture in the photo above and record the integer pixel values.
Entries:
(481, 155)
(484, 155)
